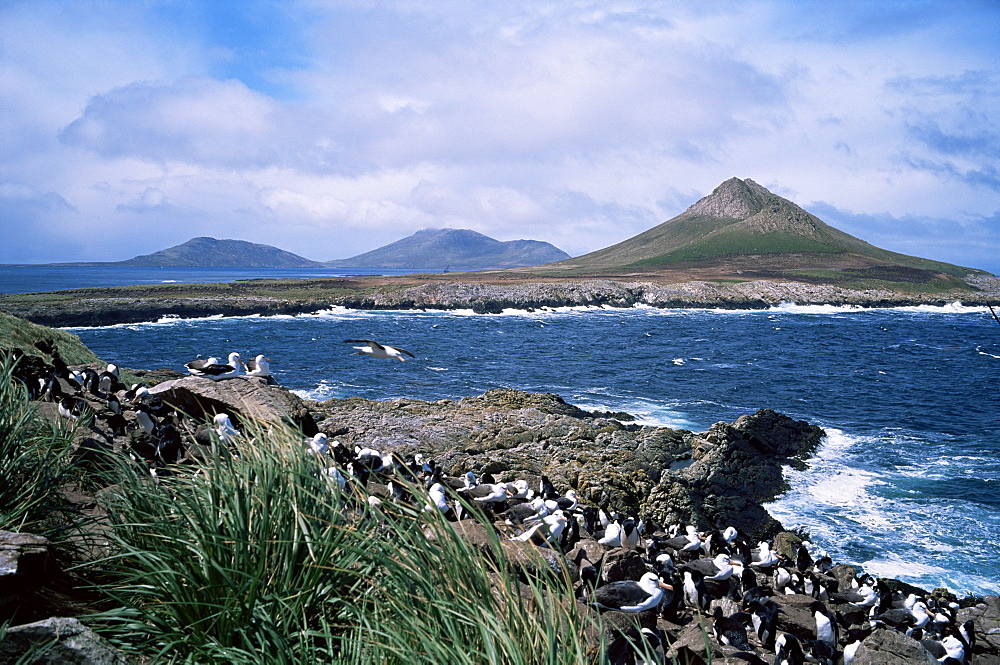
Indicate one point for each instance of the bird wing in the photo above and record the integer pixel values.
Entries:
(399, 350)
(370, 342)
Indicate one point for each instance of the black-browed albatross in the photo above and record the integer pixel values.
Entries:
(376, 350)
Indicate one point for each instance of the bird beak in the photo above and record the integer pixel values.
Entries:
(664, 585)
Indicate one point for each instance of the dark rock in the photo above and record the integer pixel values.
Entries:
(795, 617)
(690, 647)
(66, 642)
(890, 647)
(535, 562)
(844, 574)
(23, 557)
(622, 564)
(622, 634)
(986, 620)
(586, 552)
(736, 467)
(786, 544)
(241, 396)
(477, 535)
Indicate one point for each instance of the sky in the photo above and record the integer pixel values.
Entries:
(329, 128)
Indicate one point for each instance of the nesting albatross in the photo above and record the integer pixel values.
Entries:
(215, 370)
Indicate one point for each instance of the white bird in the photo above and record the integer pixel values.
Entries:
(438, 498)
(376, 350)
(334, 473)
(216, 370)
(224, 428)
(482, 492)
(259, 366)
(550, 529)
(519, 489)
(719, 568)
(318, 443)
(612, 535)
(765, 557)
(629, 595)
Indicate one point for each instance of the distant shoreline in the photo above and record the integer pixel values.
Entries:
(135, 304)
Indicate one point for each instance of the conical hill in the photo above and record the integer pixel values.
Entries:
(741, 231)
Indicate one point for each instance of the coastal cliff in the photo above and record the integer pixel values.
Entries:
(716, 482)
(487, 294)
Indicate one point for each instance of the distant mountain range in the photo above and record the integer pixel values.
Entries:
(211, 253)
(430, 249)
(455, 249)
(740, 231)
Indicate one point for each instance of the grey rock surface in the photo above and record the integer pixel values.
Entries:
(241, 396)
(60, 641)
(712, 480)
(986, 621)
(889, 647)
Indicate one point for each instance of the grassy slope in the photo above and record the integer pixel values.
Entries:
(36, 340)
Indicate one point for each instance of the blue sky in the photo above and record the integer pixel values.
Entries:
(329, 128)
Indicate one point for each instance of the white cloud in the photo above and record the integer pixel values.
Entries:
(578, 123)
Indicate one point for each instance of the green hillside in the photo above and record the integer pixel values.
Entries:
(744, 229)
(42, 341)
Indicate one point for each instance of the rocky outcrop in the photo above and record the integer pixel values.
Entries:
(735, 469)
(22, 555)
(248, 398)
(890, 647)
(713, 480)
(57, 641)
(986, 619)
(105, 306)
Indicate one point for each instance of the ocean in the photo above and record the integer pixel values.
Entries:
(906, 484)
(32, 278)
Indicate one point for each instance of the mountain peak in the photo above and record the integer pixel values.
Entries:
(458, 249)
(742, 229)
(734, 199)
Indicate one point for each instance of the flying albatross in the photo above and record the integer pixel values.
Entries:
(376, 350)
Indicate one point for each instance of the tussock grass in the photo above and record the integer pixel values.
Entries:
(35, 460)
(243, 557)
(254, 556)
(38, 340)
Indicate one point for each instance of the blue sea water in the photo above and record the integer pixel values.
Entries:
(34, 278)
(906, 483)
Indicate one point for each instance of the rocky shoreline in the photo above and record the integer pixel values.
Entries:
(92, 307)
(710, 480)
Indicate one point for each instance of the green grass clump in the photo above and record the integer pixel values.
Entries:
(254, 556)
(35, 460)
(246, 557)
(38, 340)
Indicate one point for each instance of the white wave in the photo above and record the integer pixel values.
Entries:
(955, 307)
(438, 369)
(320, 393)
(983, 352)
(645, 411)
(166, 320)
(169, 281)
(895, 566)
(793, 308)
(678, 361)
